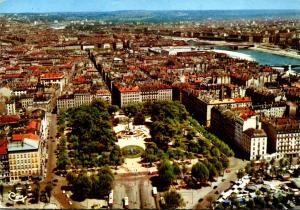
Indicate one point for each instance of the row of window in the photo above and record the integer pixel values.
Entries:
(288, 135)
(17, 167)
(34, 160)
(26, 155)
(18, 173)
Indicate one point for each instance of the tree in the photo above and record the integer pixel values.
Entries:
(62, 160)
(139, 119)
(152, 153)
(250, 204)
(81, 187)
(248, 168)
(70, 177)
(215, 152)
(272, 161)
(176, 169)
(1, 191)
(225, 161)
(162, 110)
(112, 109)
(48, 189)
(166, 173)
(36, 191)
(200, 172)
(132, 109)
(210, 199)
(219, 167)
(102, 185)
(173, 200)
(240, 173)
(163, 132)
(101, 105)
(116, 156)
(212, 170)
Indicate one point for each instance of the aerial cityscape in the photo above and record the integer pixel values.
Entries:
(170, 104)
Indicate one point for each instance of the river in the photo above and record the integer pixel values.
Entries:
(265, 58)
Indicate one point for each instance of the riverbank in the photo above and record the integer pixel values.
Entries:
(236, 55)
(277, 51)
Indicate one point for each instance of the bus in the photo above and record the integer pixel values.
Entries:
(126, 202)
(111, 198)
(154, 191)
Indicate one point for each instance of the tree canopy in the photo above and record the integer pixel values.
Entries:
(91, 139)
(200, 172)
(173, 200)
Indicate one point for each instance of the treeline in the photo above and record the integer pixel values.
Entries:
(91, 186)
(176, 136)
(91, 141)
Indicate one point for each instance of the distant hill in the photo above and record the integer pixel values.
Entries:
(162, 16)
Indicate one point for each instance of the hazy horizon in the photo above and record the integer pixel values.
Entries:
(149, 10)
(61, 6)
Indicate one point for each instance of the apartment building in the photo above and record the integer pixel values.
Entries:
(24, 159)
(201, 104)
(129, 95)
(240, 127)
(26, 101)
(54, 78)
(254, 143)
(283, 136)
(67, 101)
(10, 107)
(4, 163)
(156, 92)
(271, 110)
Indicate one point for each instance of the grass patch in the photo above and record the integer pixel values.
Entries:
(132, 151)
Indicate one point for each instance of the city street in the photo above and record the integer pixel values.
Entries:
(235, 165)
(51, 164)
(138, 189)
(52, 143)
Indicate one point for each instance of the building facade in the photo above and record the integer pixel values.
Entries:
(254, 143)
(283, 136)
(4, 163)
(24, 159)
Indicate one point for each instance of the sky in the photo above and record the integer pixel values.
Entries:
(16, 6)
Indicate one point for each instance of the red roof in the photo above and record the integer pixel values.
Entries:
(131, 67)
(34, 67)
(21, 136)
(243, 99)
(129, 89)
(9, 76)
(33, 124)
(3, 147)
(8, 119)
(80, 79)
(52, 76)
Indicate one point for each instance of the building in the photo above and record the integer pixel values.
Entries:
(145, 92)
(26, 101)
(54, 78)
(254, 143)
(234, 126)
(156, 92)
(201, 104)
(10, 107)
(129, 95)
(67, 101)
(283, 136)
(24, 158)
(4, 163)
(271, 110)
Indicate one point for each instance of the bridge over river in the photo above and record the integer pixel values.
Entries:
(287, 67)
